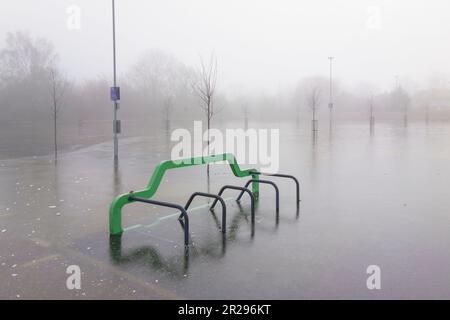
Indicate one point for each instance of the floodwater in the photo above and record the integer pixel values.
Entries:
(378, 198)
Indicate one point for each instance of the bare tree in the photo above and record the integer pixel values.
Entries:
(313, 101)
(205, 87)
(24, 65)
(162, 80)
(174, 88)
(25, 57)
(29, 73)
(58, 85)
(403, 101)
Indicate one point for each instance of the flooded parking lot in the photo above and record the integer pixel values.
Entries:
(376, 198)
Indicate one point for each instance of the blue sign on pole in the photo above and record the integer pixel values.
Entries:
(115, 93)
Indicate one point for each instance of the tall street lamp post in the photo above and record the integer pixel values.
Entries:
(115, 91)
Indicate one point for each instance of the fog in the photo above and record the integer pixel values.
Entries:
(267, 52)
(260, 44)
(348, 99)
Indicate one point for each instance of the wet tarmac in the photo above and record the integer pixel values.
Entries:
(367, 199)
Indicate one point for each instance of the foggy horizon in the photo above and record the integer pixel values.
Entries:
(249, 152)
(259, 47)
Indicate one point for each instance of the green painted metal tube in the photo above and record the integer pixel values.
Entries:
(115, 210)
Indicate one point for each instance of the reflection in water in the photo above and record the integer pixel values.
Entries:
(167, 136)
(219, 227)
(117, 180)
(116, 162)
(167, 128)
(372, 125)
(314, 139)
(330, 136)
(149, 256)
(315, 135)
(358, 165)
(238, 218)
(330, 129)
(208, 185)
(372, 132)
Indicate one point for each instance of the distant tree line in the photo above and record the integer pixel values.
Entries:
(42, 107)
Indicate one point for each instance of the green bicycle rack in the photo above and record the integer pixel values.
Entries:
(145, 195)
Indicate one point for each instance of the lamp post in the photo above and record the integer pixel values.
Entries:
(115, 91)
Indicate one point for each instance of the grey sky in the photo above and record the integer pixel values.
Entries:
(260, 44)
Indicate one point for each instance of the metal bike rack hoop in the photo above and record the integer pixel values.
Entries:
(214, 196)
(169, 205)
(277, 192)
(242, 189)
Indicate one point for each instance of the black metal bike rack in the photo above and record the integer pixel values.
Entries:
(242, 189)
(169, 205)
(297, 184)
(214, 196)
(184, 219)
(277, 192)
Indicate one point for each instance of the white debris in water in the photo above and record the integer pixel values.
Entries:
(4, 230)
(58, 213)
(156, 280)
(61, 200)
(52, 207)
(14, 265)
(88, 248)
(14, 275)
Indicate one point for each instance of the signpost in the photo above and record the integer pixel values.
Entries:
(115, 92)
